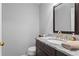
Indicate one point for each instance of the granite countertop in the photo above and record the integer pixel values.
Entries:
(59, 47)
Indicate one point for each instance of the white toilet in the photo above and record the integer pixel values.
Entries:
(31, 51)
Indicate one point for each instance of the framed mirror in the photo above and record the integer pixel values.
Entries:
(64, 18)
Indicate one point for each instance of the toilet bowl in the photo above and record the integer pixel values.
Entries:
(31, 51)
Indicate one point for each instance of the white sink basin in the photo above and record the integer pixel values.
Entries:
(49, 38)
(53, 40)
(58, 42)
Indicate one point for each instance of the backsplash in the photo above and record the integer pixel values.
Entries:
(65, 35)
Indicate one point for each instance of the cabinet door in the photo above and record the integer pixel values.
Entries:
(40, 53)
(58, 53)
(45, 49)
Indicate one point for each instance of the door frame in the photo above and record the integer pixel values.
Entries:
(0, 28)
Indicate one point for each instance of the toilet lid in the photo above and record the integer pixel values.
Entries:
(32, 49)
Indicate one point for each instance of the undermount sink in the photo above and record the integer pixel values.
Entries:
(53, 40)
(49, 38)
(58, 42)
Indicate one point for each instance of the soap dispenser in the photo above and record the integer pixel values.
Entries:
(73, 37)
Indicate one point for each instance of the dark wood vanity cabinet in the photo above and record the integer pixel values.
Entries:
(43, 49)
(58, 53)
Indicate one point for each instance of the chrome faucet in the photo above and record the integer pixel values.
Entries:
(59, 35)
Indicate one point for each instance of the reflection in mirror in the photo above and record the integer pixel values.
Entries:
(72, 19)
(64, 17)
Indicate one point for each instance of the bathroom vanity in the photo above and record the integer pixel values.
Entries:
(66, 20)
(47, 48)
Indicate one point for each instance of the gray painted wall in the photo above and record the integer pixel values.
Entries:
(46, 18)
(20, 27)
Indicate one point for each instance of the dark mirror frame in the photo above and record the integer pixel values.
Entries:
(68, 32)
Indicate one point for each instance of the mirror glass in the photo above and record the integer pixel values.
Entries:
(64, 17)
